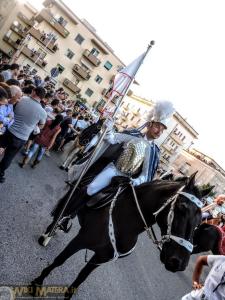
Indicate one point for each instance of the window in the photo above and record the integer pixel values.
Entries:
(69, 54)
(84, 67)
(33, 72)
(98, 79)
(41, 53)
(60, 68)
(61, 20)
(89, 92)
(108, 65)
(100, 104)
(95, 52)
(79, 39)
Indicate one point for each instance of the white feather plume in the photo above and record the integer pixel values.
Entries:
(161, 111)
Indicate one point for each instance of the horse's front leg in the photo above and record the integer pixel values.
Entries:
(92, 264)
(74, 246)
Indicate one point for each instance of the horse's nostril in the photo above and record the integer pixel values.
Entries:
(174, 262)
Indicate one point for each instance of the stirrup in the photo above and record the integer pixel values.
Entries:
(65, 224)
(69, 183)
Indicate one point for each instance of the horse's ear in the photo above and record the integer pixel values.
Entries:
(183, 179)
(207, 190)
(191, 180)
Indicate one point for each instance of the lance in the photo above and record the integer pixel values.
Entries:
(97, 148)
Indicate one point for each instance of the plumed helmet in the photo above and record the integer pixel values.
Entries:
(161, 112)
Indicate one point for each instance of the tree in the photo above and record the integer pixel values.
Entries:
(206, 186)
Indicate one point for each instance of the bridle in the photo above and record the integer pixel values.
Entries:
(166, 238)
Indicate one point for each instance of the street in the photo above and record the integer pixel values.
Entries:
(27, 198)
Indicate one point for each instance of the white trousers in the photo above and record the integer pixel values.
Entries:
(195, 295)
(103, 179)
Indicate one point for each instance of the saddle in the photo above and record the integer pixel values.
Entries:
(106, 195)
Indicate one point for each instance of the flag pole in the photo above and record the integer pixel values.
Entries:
(152, 43)
(95, 152)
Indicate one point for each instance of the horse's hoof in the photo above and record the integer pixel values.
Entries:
(69, 294)
(33, 287)
(44, 239)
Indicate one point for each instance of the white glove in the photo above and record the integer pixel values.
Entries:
(137, 181)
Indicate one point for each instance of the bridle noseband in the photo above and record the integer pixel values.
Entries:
(165, 238)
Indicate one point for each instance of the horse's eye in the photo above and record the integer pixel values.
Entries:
(182, 207)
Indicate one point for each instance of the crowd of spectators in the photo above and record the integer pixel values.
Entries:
(35, 116)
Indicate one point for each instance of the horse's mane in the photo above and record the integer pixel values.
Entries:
(160, 184)
(166, 186)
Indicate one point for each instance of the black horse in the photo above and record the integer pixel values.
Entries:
(128, 224)
(206, 238)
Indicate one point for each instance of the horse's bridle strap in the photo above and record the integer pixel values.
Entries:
(182, 242)
(186, 244)
(192, 198)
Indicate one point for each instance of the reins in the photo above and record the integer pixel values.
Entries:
(150, 231)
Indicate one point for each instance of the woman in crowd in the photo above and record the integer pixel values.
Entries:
(44, 141)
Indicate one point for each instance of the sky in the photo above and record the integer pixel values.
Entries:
(185, 66)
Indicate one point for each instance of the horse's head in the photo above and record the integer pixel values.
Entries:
(177, 222)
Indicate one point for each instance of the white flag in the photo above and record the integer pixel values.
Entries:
(124, 77)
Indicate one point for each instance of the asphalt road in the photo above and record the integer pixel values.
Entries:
(26, 199)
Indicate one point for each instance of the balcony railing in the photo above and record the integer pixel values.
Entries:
(92, 58)
(11, 42)
(106, 93)
(176, 138)
(44, 40)
(19, 30)
(81, 72)
(27, 21)
(46, 15)
(168, 148)
(72, 86)
(34, 56)
(136, 113)
(165, 161)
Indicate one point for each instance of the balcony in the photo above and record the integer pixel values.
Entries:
(51, 45)
(165, 161)
(46, 15)
(72, 86)
(136, 113)
(176, 138)
(115, 100)
(19, 30)
(92, 58)
(106, 93)
(81, 72)
(168, 148)
(33, 56)
(12, 43)
(22, 17)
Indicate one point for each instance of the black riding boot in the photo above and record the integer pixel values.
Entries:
(82, 198)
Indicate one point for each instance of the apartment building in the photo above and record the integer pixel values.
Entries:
(178, 136)
(55, 37)
(209, 171)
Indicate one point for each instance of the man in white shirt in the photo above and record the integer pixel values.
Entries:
(214, 286)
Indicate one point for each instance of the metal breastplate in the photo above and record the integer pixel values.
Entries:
(132, 157)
